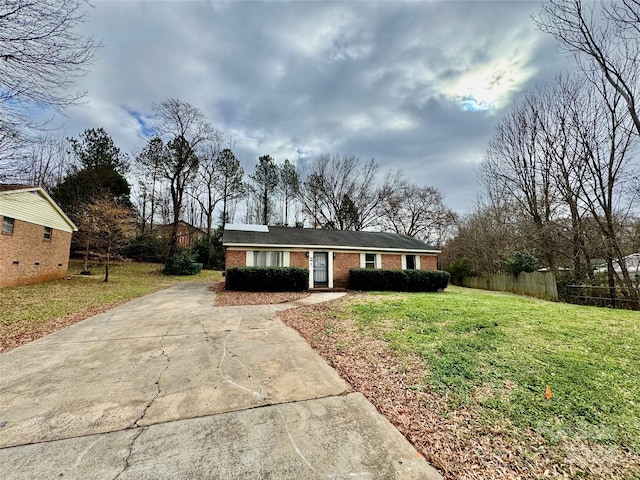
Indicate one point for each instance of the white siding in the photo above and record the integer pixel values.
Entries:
(31, 206)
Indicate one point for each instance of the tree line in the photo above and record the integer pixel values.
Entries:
(187, 171)
(561, 173)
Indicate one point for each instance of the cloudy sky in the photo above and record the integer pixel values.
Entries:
(415, 85)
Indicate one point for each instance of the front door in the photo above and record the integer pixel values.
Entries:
(320, 269)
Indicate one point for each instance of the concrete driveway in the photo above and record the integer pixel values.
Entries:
(169, 387)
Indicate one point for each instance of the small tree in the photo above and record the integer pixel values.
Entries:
(111, 225)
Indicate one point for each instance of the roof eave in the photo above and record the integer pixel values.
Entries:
(48, 199)
(331, 247)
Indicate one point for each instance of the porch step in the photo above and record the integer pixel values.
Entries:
(326, 289)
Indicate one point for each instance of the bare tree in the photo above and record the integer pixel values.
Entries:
(603, 36)
(149, 162)
(416, 211)
(561, 143)
(486, 237)
(206, 193)
(515, 165)
(41, 56)
(605, 192)
(184, 130)
(341, 193)
(44, 161)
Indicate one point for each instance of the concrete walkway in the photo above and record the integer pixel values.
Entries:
(169, 387)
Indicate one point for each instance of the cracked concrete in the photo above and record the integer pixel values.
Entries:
(167, 386)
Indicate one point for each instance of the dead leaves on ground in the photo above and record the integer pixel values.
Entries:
(457, 442)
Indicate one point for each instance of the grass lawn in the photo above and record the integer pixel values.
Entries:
(485, 360)
(31, 310)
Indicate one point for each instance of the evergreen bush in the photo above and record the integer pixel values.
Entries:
(368, 279)
(267, 279)
(182, 263)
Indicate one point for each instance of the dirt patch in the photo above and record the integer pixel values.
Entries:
(456, 441)
(228, 298)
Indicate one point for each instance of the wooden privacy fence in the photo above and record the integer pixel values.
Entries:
(536, 284)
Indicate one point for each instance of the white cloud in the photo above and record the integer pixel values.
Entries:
(296, 79)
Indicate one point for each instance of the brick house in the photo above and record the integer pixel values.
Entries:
(35, 238)
(328, 254)
(188, 235)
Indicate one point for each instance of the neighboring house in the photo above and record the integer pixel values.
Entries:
(35, 238)
(632, 263)
(328, 254)
(188, 235)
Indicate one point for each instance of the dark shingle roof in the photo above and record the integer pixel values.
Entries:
(8, 187)
(308, 237)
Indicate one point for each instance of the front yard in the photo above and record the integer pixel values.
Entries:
(464, 375)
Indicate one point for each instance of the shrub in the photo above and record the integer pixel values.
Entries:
(267, 279)
(210, 252)
(182, 263)
(459, 270)
(146, 248)
(427, 280)
(521, 261)
(398, 280)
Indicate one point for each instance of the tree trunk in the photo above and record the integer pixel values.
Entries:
(106, 268)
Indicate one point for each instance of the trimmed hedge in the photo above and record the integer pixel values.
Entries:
(267, 279)
(398, 280)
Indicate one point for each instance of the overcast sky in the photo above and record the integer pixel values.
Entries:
(415, 85)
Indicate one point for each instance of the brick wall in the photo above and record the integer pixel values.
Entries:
(342, 263)
(391, 261)
(38, 260)
(341, 266)
(235, 258)
(428, 262)
(298, 259)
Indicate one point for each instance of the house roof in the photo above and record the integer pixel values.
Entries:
(33, 205)
(632, 263)
(263, 236)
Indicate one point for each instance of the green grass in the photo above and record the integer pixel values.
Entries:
(39, 303)
(497, 353)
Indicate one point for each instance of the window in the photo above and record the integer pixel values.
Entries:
(411, 262)
(47, 233)
(370, 260)
(7, 225)
(268, 259)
